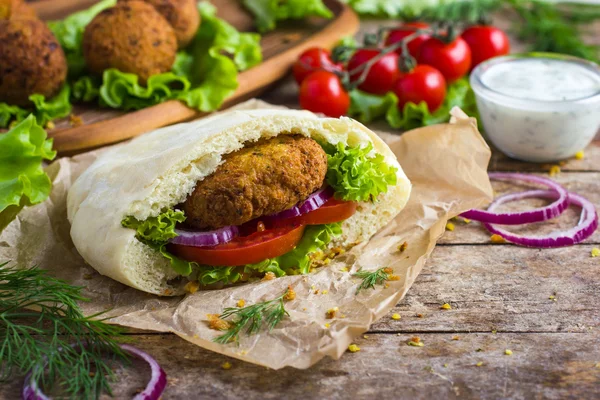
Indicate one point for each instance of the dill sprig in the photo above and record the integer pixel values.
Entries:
(371, 278)
(56, 342)
(269, 312)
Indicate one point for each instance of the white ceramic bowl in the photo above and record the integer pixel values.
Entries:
(538, 116)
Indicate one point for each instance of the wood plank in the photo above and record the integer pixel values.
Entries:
(584, 183)
(541, 366)
(503, 288)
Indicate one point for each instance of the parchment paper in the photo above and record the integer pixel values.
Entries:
(447, 166)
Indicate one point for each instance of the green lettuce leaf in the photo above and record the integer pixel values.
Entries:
(268, 12)
(156, 232)
(203, 75)
(368, 107)
(225, 275)
(438, 10)
(315, 238)
(356, 175)
(44, 110)
(22, 178)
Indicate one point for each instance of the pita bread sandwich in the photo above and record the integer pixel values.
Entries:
(239, 196)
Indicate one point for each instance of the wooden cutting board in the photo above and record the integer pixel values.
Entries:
(102, 126)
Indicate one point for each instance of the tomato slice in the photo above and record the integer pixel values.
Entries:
(333, 210)
(244, 249)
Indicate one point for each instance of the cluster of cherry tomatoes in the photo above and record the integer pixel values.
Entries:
(441, 59)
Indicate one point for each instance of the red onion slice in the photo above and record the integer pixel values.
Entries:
(314, 201)
(152, 391)
(518, 218)
(587, 225)
(206, 238)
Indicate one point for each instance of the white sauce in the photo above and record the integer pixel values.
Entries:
(542, 79)
(539, 109)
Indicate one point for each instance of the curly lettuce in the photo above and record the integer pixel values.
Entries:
(43, 110)
(156, 232)
(355, 174)
(268, 12)
(203, 75)
(369, 107)
(22, 177)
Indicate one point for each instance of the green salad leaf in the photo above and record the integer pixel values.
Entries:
(156, 232)
(268, 12)
(437, 10)
(368, 107)
(44, 110)
(22, 178)
(69, 33)
(357, 175)
(203, 75)
(225, 275)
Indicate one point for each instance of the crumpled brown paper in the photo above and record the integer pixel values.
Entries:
(447, 166)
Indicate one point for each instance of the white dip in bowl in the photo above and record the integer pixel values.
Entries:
(538, 107)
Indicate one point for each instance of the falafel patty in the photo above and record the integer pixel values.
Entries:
(131, 37)
(183, 15)
(263, 178)
(13, 9)
(31, 61)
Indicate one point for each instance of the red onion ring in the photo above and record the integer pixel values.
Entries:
(152, 391)
(587, 225)
(314, 201)
(205, 238)
(518, 218)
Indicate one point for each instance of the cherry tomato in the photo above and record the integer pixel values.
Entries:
(333, 210)
(381, 76)
(322, 92)
(311, 60)
(405, 30)
(244, 249)
(423, 83)
(485, 42)
(452, 59)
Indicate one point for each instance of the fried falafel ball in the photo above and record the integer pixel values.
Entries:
(31, 61)
(131, 37)
(183, 15)
(263, 178)
(13, 9)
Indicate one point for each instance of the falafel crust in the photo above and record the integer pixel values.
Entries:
(131, 37)
(263, 178)
(16, 9)
(31, 61)
(183, 15)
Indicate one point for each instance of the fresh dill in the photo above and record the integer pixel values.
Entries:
(371, 278)
(269, 312)
(43, 330)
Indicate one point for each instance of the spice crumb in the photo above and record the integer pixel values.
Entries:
(344, 269)
(446, 306)
(466, 220)
(445, 365)
(269, 276)
(191, 287)
(327, 325)
(290, 295)
(479, 364)
(455, 338)
(450, 226)
(365, 336)
(580, 155)
(241, 303)
(508, 352)
(554, 170)
(396, 316)
(595, 252)
(497, 239)
(403, 247)
(316, 291)
(479, 350)
(353, 348)
(330, 314)
(415, 341)
(419, 315)
(75, 120)
(393, 278)
(226, 365)
(50, 125)
(325, 291)
(214, 322)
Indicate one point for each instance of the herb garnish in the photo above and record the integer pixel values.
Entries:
(57, 334)
(372, 278)
(270, 312)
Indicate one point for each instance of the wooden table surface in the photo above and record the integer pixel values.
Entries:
(501, 299)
